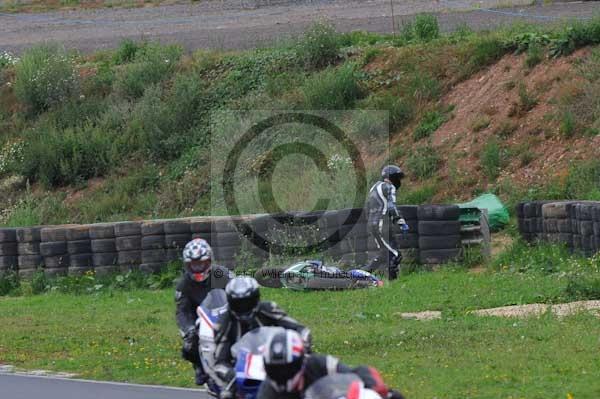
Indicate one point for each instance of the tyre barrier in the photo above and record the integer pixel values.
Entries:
(573, 223)
(9, 260)
(434, 236)
(79, 248)
(28, 246)
(439, 233)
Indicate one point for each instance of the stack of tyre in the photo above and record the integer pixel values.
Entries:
(128, 241)
(54, 249)
(531, 220)
(177, 235)
(8, 250)
(154, 253)
(439, 233)
(28, 245)
(79, 247)
(583, 217)
(557, 225)
(408, 241)
(104, 248)
(229, 242)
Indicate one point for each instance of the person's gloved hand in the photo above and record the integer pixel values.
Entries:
(188, 338)
(394, 395)
(226, 394)
(402, 223)
(307, 339)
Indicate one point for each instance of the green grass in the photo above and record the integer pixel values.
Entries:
(131, 335)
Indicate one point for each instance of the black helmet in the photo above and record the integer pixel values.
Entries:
(284, 360)
(393, 173)
(243, 295)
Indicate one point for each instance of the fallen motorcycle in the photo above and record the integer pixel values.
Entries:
(314, 275)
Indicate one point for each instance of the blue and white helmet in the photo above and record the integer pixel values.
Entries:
(197, 257)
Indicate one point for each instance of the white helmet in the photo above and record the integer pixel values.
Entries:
(197, 257)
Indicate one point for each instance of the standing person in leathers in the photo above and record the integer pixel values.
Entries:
(199, 277)
(381, 208)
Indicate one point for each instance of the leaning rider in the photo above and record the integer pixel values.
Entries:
(199, 277)
(382, 203)
(291, 371)
(246, 312)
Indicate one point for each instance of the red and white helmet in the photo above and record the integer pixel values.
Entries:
(197, 258)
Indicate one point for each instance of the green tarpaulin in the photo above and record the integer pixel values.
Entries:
(497, 213)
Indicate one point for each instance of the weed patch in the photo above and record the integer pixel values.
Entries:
(424, 162)
(430, 123)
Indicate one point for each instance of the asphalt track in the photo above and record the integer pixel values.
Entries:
(16, 386)
(206, 24)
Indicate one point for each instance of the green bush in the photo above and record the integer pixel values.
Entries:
(57, 158)
(535, 55)
(127, 51)
(39, 282)
(319, 46)
(333, 89)
(152, 65)
(418, 196)
(431, 121)
(567, 124)
(9, 282)
(424, 28)
(155, 128)
(424, 162)
(401, 110)
(45, 76)
(583, 288)
(481, 52)
(491, 159)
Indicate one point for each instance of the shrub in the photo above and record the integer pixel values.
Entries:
(482, 52)
(491, 159)
(535, 55)
(400, 110)
(57, 158)
(150, 66)
(9, 282)
(424, 28)
(39, 282)
(333, 89)
(423, 87)
(127, 51)
(429, 124)
(580, 288)
(153, 127)
(567, 124)
(7, 59)
(45, 76)
(319, 46)
(424, 162)
(526, 101)
(418, 196)
(583, 180)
